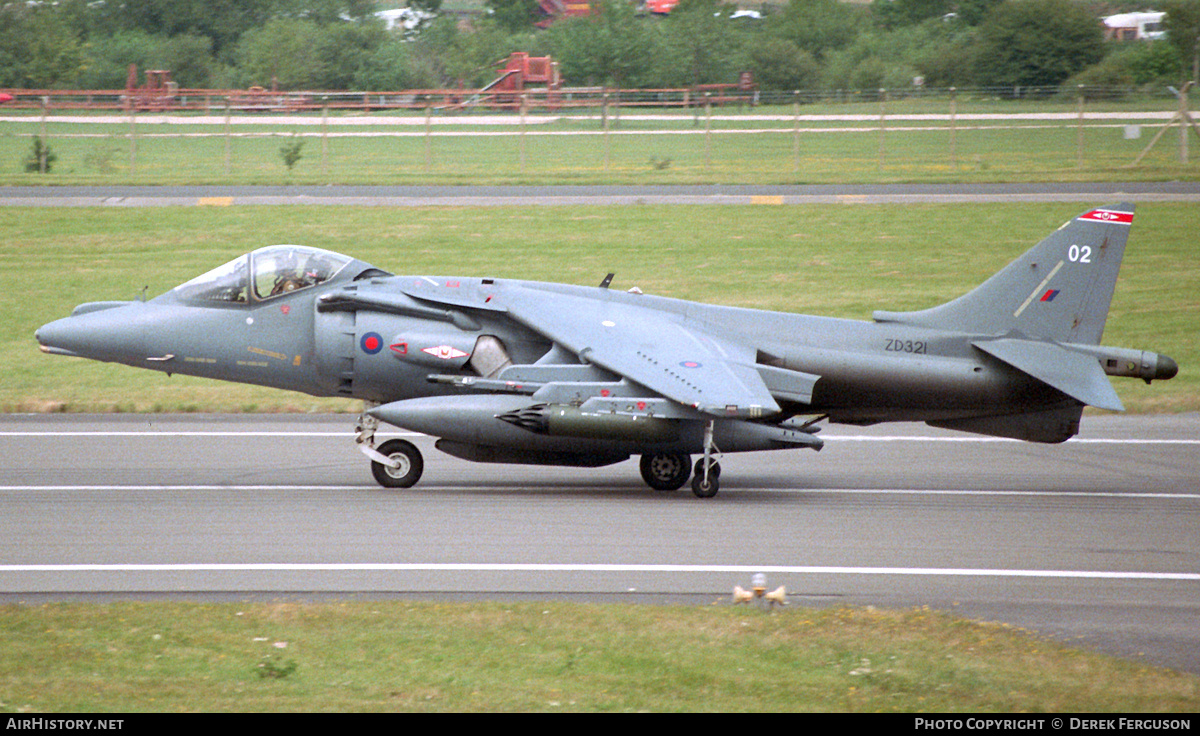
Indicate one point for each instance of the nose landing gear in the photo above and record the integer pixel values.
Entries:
(395, 463)
(405, 467)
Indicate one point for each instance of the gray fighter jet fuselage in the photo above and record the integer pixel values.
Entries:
(510, 371)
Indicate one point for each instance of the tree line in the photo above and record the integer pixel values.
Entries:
(796, 45)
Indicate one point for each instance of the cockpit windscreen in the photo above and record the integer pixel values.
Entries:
(266, 273)
(282, 269)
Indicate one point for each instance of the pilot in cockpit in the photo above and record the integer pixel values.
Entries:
(290, 275)
(277, 270)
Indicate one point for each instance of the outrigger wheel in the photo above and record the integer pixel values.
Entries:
(666, 471)
(706, 479)
(706, 485)
(409, 465)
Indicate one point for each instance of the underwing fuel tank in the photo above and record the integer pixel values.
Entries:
(467, 418)
(507, 421)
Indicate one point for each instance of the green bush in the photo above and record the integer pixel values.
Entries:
(290, 152)
(40, 157)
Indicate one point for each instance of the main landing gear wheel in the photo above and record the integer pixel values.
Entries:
(666, 471)
(706, 485)
(408, 469)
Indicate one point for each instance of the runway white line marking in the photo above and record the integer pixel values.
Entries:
(434, 488)
(601, 568)
(192, 433)
(835, 438)
(1072, 441)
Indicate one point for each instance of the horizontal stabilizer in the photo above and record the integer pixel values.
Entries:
(1075, 374)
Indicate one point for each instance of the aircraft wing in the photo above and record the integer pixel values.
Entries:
(652, 348)
(647, 346)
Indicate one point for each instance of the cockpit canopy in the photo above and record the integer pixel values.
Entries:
(264, 274)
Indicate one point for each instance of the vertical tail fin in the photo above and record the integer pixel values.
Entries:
(1060, 289)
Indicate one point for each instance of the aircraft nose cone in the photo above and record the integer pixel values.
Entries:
(114, 334)
(1165, 368)
(56, 336)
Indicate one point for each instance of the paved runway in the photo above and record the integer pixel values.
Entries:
(476, 196)
(1093, 542)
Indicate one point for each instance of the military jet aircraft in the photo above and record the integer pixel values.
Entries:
(509, 371)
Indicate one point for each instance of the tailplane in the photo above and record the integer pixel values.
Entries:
(1059, 290)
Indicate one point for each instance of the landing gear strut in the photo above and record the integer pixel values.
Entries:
(396, 463)
(706, 481)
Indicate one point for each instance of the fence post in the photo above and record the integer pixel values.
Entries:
(1079, 132)
(42, 150)
(604, 124)
(522, 139)
(428, 138)
(796, 132)
(882, 126)
(325, 138)
(228, 133)
(954, 128)
(1184, 119)
(707, 130)
(133, 139)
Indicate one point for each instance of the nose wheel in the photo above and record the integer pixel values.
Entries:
(404, 468)
(395, 463)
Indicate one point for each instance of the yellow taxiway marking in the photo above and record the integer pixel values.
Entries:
(766, 199)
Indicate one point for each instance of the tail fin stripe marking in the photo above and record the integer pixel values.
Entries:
(1116, 218)
(1040, 289)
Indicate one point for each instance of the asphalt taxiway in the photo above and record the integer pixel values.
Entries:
(529, 195)
(1092, 542)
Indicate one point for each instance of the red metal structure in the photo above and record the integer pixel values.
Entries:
(521, 69)
(157, 94)
(555, 9)
(518, 73)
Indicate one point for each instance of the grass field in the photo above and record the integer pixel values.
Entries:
(676, 146)
(534, 656)
(843, 261)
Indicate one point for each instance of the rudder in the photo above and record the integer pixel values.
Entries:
(1060, 289)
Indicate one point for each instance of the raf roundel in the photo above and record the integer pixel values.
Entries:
(371, 343)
